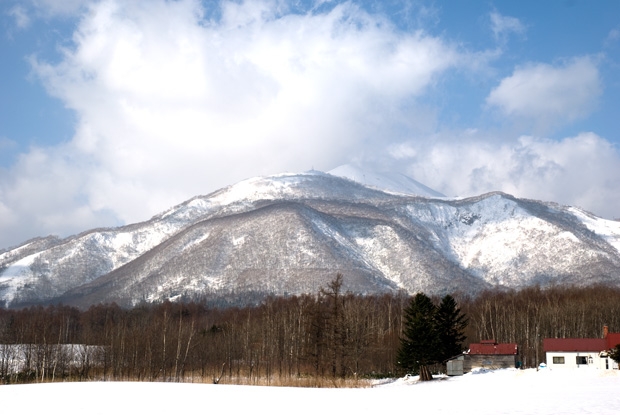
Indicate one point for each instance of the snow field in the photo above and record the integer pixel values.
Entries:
(497, 392)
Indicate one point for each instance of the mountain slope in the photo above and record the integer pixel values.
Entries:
(290, 234)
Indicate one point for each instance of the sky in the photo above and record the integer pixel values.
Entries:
(113, 111)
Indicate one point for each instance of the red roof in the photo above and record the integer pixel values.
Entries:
(488, 347)
(574, 345)
(613, 339)
(582, 345)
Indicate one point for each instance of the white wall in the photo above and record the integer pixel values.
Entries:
(593, 359)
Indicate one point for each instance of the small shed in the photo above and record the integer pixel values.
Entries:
(454, 366)
(487, 354)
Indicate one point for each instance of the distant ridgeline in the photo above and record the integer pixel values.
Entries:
(289, 234)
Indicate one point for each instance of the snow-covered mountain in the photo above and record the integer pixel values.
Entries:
(291, 233)
(386, 181)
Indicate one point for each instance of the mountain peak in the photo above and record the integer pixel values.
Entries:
(391, 182)
(288, 234)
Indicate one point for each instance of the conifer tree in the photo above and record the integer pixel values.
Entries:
(451, 324)
(615, 353)
(432, 334)
(420, 341)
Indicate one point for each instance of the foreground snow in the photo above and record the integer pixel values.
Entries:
(499, 392)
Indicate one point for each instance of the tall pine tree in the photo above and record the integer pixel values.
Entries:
(420, 342)
(451, 324)
(431, 334)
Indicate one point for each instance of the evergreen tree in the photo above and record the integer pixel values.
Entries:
(615, 353)
(432, 334)
(420, 342)
(451, 324)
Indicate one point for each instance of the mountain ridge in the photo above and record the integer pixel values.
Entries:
(289, 234)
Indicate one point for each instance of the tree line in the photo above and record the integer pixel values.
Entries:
(331, 334)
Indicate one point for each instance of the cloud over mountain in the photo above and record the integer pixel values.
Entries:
(177, 98)
(166, 97)
(548, 95)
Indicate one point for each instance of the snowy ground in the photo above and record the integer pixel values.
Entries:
(499, 392)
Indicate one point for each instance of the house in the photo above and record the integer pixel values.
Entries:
(487, 354)
(581, 352)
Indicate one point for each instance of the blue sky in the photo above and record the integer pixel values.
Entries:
(113, 111)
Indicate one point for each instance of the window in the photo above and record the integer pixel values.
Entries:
(558, 360)
(582, 360)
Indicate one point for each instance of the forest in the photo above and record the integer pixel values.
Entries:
(298, 340)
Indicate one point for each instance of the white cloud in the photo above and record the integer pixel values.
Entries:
(19, 13)
(62, 8)
(5, 143)
(582, 171)
(41, 195)
(25, 12)
(546, 95)
(612, 37)
(170, 105)
(502, 26)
